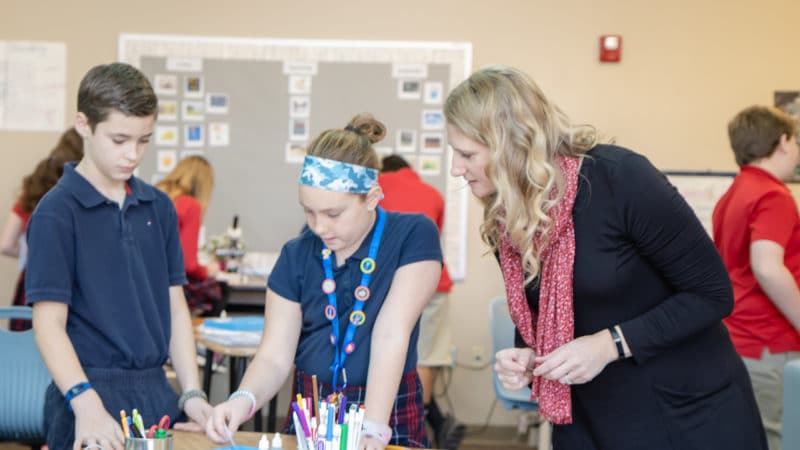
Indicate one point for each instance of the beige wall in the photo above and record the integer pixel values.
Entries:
(687, 66)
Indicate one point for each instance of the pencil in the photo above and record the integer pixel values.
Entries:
(316, 395)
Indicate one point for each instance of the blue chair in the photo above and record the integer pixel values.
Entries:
(23, 382)
(502, 329)
(790, 433)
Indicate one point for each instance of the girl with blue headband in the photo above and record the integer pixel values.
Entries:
(344, 298)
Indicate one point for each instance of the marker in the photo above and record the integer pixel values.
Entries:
(138, 422)
(124, 419)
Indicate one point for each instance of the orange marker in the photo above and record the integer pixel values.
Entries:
(124, 420)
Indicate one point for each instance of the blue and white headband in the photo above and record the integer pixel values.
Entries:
(337, 176)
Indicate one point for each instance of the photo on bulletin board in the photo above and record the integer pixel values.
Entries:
(409, 89)
(295, 152)
(789, 102)
(406, 141)
(432, 119)
(167, 135)
(216, 104)
(193, 136)
(300, 84)
(219, 134)
(167, 110)
(165, 84)
(193, 86)
(432, 143)
(192, 111)
(299, 106)
(298, 129)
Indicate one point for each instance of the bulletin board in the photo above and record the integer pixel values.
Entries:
(250, 106)
(702, 190)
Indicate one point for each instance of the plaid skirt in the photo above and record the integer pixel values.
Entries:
(203, 296)
(407, 419)
(19, 300)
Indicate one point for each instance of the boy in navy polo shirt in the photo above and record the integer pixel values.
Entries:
(105, 271)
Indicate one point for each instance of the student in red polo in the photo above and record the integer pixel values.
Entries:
(757, 231)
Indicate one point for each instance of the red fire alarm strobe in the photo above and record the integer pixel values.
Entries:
(610, 48)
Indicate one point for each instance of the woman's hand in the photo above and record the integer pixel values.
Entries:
(579, 361)
(514, 367)
(94, 427)
(226, 418)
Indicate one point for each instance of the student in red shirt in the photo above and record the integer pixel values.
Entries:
(757, 231)
(189, 186)
(46, 174)
(404, 191)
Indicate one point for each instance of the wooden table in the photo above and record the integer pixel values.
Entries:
(184, 440)
(238, 357)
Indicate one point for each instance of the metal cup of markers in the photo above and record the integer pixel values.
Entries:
(149, 444)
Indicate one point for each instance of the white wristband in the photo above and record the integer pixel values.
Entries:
(379, 431)
(248, 394)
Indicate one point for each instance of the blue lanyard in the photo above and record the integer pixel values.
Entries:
(362, 293)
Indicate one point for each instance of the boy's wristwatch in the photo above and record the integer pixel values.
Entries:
(190, 394)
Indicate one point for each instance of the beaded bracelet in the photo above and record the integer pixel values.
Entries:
(190, 394)
(248, 394)
(380, 431)
(75, 391)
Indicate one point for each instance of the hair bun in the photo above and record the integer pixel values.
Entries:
(366, 125)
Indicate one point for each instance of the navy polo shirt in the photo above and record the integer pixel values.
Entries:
(298, 275)
(113, 267)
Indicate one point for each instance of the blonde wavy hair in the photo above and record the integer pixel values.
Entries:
(192, 176)
(503, 109)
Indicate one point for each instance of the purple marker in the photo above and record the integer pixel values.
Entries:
(342, 407)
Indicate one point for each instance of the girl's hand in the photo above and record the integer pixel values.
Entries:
(579, 361)
(514, 367)
(370, 443)
(226, 418)
(199, 411)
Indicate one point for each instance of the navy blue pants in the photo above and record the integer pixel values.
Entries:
(146, 390)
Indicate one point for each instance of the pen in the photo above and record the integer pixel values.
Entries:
(316, 394)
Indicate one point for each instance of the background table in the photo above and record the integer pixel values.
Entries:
(238, 357)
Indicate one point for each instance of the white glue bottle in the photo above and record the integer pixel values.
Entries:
(276, 442)
(263, 443)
